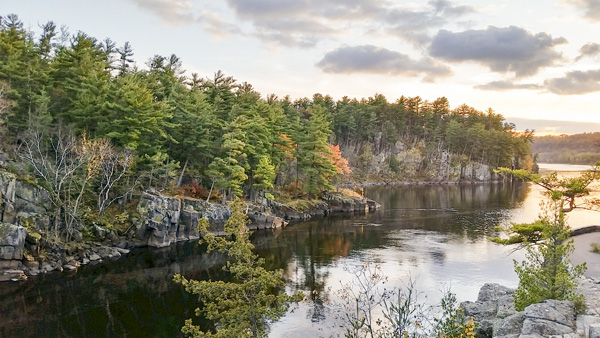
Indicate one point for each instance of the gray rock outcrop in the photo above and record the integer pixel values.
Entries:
(414, 163)
(12, 241)
(495, 315)
(20, 201)
(494, 303)
(549, 318)
(165, 220)
(159, 219)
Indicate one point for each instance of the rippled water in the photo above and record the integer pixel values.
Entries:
(434, 234)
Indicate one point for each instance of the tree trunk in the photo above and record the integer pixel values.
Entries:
(211, 189)
(182, 172)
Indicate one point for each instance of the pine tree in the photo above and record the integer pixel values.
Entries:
(81, 77)
(547, 272)
(314, 153)
(254, 297)
(192, 131)
(125, 59)
(228, 171)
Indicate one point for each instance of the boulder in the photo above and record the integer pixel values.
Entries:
(494, 302)
(559, 312)
(495, 315)
(490, 292)
(593, 331)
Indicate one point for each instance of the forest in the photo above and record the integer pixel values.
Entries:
(80, 118)
(572, 149)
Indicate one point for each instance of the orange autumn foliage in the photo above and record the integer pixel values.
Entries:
(286, 145)
(340, 163)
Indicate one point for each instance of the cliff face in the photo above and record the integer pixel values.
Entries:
(165, 220)
(413, 163)
(20, 204)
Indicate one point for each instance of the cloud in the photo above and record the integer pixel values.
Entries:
(575, 83)
(507, 85)
(444, 7)
(306, 22)
(590, 7)
(172, 12)
(181, 13)
(510, 49)
(217, 27)
(377, 60)
(590, 49)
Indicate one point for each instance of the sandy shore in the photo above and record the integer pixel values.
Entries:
(582, 253)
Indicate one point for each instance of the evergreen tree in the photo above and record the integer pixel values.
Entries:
(264, 175)
(547, 272)
(192, 130)
(228, 172)
(125, 59)
(131, 118)
(81, 74)
(244, 306)
(17, 70)
(314, 153)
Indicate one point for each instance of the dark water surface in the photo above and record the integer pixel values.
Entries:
(436, 235)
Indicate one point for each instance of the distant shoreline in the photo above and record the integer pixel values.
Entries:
(563, 167)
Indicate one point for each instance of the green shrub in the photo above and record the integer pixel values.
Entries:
(547, 272)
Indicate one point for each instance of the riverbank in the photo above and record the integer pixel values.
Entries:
(159, 221)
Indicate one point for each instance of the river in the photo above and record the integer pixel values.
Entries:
(436, 235)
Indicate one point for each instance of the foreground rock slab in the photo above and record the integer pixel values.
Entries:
(496, 316)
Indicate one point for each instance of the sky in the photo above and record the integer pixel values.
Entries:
(536, 61)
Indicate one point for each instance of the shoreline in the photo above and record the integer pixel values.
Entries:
(177, 220)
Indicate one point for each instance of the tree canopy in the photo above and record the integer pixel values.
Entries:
(216, 131)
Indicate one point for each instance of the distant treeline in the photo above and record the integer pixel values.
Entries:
(573, 149)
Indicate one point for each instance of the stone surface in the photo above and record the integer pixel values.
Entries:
(12, 275)
(495, 316)
(158, 215)
(561, 312)
(94, 257)
(543, 327)
(493, 292)
(20, 201)
(510, 325)
(506, 306)
(12, 241)
(494, 302)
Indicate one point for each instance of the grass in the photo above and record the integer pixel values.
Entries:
(302, 204)
(595, 248)
(349, 193)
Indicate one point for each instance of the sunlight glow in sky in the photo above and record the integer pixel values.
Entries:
(535, 62)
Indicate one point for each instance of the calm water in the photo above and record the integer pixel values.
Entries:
(436, 235)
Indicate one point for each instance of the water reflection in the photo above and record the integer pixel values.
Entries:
(436, 234)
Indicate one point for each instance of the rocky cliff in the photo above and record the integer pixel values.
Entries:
(414, 163)
(165, 220)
